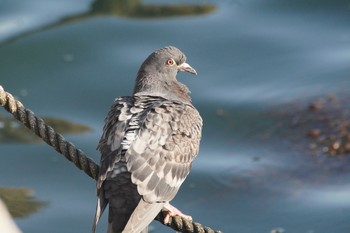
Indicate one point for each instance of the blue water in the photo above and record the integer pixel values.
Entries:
(251, 56)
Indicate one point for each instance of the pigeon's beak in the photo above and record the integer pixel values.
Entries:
(186, 68)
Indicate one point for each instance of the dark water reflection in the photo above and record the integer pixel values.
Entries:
(124, 8)
(256, 61)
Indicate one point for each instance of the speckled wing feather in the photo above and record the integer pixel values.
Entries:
(110, 147)
(160, 158)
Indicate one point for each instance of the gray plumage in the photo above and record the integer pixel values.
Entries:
(148, 144)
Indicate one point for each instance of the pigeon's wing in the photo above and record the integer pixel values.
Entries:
(110, 147)
(160, 157)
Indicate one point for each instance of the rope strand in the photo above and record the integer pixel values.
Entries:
(78, 157)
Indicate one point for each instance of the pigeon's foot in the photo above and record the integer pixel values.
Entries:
(173, 211)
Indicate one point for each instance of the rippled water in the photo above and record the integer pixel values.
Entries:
(70, 60)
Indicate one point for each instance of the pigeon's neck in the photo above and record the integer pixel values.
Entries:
(168, 89)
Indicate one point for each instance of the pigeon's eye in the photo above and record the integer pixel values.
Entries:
(170, 62)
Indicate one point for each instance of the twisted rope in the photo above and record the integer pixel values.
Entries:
(78, 157)
(47, 133)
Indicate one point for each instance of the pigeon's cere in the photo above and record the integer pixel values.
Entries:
(148, 144)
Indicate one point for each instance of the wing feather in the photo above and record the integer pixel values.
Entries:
(160, 157)
(114, 130)
(110, 148)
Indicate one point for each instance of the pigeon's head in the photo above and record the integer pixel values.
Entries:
(158, 72)
(167, 61)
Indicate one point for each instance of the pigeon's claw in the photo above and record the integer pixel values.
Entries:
(173, 211)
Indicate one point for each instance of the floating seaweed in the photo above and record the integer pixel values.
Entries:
(12, 131)
(20, 201)
(323, 125)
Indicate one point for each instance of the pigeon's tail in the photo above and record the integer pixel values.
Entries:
(142, 216)
(100, 207)
(123, 199)
(128, 212)
(110, 229)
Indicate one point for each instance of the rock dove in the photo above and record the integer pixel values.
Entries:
(148, 144)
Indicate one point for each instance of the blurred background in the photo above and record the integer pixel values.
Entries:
(272, 87)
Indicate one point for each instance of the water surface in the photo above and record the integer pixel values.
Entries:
(69, 60)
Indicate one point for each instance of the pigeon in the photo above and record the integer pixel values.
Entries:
(149, 142)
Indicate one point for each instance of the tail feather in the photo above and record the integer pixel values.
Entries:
(100, 207)
(128, 212)
(110, 229)
(142, 216)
